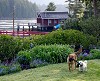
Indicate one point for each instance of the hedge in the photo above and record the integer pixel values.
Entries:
(7, 47)
(71, 37)
(51, 53)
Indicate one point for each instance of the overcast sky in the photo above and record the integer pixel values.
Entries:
(41, 2)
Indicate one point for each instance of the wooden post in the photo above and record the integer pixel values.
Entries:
(13, 17)
(29, 28)
(23, 31)
(32, 28)
(18, 27)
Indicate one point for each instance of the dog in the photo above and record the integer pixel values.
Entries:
(72, 59)
(82, 66)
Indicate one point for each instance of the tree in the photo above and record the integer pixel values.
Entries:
(51, 7)
(95, 3)
(91, 26)
(95, 7)
(76, 8)
(89, 4)
(23, 9)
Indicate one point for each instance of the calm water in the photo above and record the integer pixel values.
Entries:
(7, 25)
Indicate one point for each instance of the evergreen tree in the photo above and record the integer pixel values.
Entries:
(22, 9)
(76, 8)
(51, 7)
(95, 4)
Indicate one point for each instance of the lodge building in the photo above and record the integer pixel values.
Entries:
(48, 19)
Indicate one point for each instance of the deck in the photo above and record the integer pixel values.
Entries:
(21, 29)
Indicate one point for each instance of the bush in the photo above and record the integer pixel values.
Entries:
(9, 69)
(72, 23)
(7, 47)
(14, 68)
(23, 43)
(98, 44)
(71, 37)
(24, 59)
(38, 63)
(88, 57)
(51, 53)
(3, 70)
(10, 46)
(91, 26)
(95, 53)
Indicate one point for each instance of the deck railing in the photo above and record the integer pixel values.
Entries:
(22, 33)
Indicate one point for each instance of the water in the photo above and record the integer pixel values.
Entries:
(7, 25)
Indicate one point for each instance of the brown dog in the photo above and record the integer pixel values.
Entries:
(72, 58)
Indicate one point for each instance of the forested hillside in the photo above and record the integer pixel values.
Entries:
(22, 9)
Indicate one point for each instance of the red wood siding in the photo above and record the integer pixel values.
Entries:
(52, 22)
(45, 22)
(39, 20)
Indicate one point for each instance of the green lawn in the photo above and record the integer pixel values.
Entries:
(56, 72)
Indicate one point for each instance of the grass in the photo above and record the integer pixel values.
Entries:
(56, 72)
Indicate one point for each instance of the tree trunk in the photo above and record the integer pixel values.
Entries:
(95, 7)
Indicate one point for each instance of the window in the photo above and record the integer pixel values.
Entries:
(49, 22)
(55, 21)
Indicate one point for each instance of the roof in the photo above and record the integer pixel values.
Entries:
(53, 15)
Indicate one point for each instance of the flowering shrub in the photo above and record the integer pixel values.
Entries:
(4, 69)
